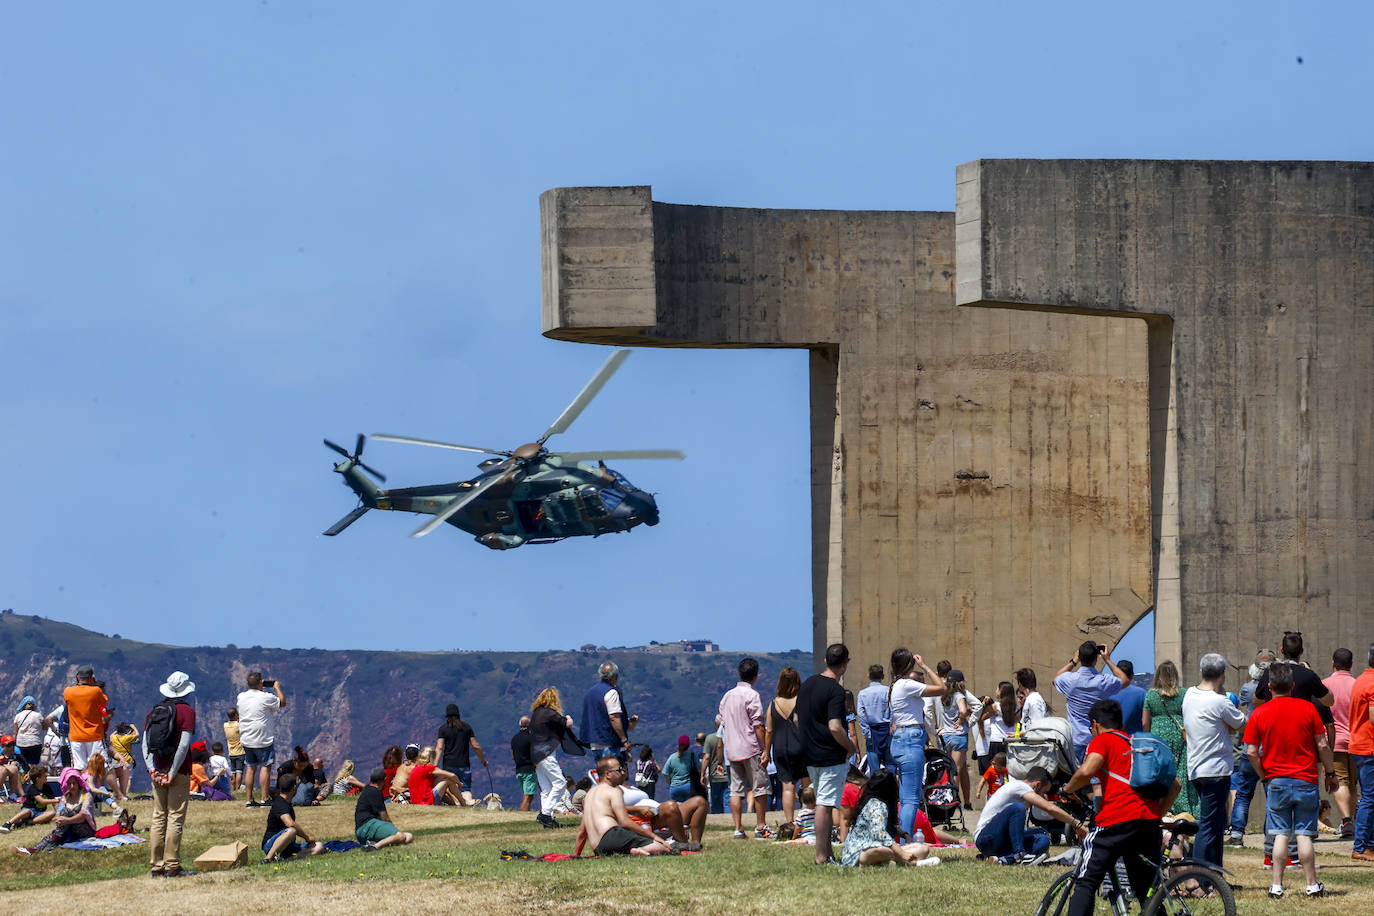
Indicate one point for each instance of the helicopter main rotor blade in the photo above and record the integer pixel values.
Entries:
(454, 507)
(338, 448)
(410, 440)
(656, 453)
(580, 403)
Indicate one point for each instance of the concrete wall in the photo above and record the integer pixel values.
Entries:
(1257, 281)
(980, 485)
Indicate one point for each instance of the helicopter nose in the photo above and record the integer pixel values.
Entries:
(644, 506)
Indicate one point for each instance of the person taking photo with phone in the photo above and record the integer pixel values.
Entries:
(258, 707)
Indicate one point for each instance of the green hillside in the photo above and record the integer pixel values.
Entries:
(353, 704)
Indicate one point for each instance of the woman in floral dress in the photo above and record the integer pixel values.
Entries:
(870, 841)
(1163, 717)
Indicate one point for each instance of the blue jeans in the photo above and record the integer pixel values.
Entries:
(1291, 807)
(717, 792)
(1243, 782)
(1212, 792)
(876, 763)
(680, 793)
(909, 751)
(1364, 814)
(1006, 834)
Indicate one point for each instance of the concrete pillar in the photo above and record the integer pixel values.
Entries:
(1257, 279)
(980, 479)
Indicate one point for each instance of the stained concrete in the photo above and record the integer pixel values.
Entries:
(980, 478)
(1256, 280)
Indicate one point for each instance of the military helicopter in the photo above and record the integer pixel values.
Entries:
(529, 495)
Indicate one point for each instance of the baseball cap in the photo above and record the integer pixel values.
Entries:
(85, 671)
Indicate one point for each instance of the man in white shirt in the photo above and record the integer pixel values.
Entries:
(1209, 717)
(1033, 706)
(258, 707)
(1001, 832)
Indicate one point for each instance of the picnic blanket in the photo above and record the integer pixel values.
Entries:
(109, 842)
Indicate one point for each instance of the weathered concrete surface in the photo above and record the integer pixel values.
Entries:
(979, 477)
(1257, 280)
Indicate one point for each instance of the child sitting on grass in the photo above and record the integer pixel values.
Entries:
(854, 784)
(995, 777)
(34, 799)
(806, 817)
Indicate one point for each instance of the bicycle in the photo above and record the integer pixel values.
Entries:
(1181, 887)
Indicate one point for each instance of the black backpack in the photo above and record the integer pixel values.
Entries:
(160, 734)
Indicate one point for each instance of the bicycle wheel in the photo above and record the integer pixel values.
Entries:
(1193, 892)
(1056, 899)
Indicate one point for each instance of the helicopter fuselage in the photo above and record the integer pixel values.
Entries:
(540, 499)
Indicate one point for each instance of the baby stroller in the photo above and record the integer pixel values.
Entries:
(941, 792)
(1049, 744)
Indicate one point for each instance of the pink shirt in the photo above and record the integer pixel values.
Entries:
(1341, 684)
(740, 711)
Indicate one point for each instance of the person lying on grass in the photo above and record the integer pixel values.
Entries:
(873, 839)
(371, 822)
(678, 818)
(279, 840)
(33, 802)
(607, 825)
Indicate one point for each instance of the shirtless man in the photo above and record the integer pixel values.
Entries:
(605, 821)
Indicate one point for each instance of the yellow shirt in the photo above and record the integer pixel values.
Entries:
(231, 735)
(122, 745)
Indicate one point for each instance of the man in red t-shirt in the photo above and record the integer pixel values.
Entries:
(1284, 739)
(1362, 756)
(1127, 825)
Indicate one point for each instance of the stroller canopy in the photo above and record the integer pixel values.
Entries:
(1049, 744)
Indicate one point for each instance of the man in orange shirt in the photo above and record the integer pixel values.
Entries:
(1362, 758)
(87, 716)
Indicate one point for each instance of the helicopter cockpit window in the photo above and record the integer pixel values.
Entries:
(592, 504)
(612, 498)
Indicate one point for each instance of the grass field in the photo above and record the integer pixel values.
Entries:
(456, 860)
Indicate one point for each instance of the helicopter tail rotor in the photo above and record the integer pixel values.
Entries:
(355, 457)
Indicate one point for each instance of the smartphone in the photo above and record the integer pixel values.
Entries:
(269, 684)
(1101, 648)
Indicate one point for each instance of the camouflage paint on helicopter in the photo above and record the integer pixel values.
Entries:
(528, 496)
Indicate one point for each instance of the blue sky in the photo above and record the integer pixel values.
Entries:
(229, 229)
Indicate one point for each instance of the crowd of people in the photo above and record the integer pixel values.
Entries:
(839, 767)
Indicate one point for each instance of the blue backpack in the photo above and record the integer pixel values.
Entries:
(1153, 768)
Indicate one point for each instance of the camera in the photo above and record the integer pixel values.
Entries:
(269, 684)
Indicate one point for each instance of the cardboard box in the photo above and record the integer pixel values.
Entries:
(217, 858)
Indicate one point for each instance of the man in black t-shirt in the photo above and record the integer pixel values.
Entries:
(521, 752)
(452, 747)
(820, 715)
(371, 823)
(279, 840)
(1306, 684)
